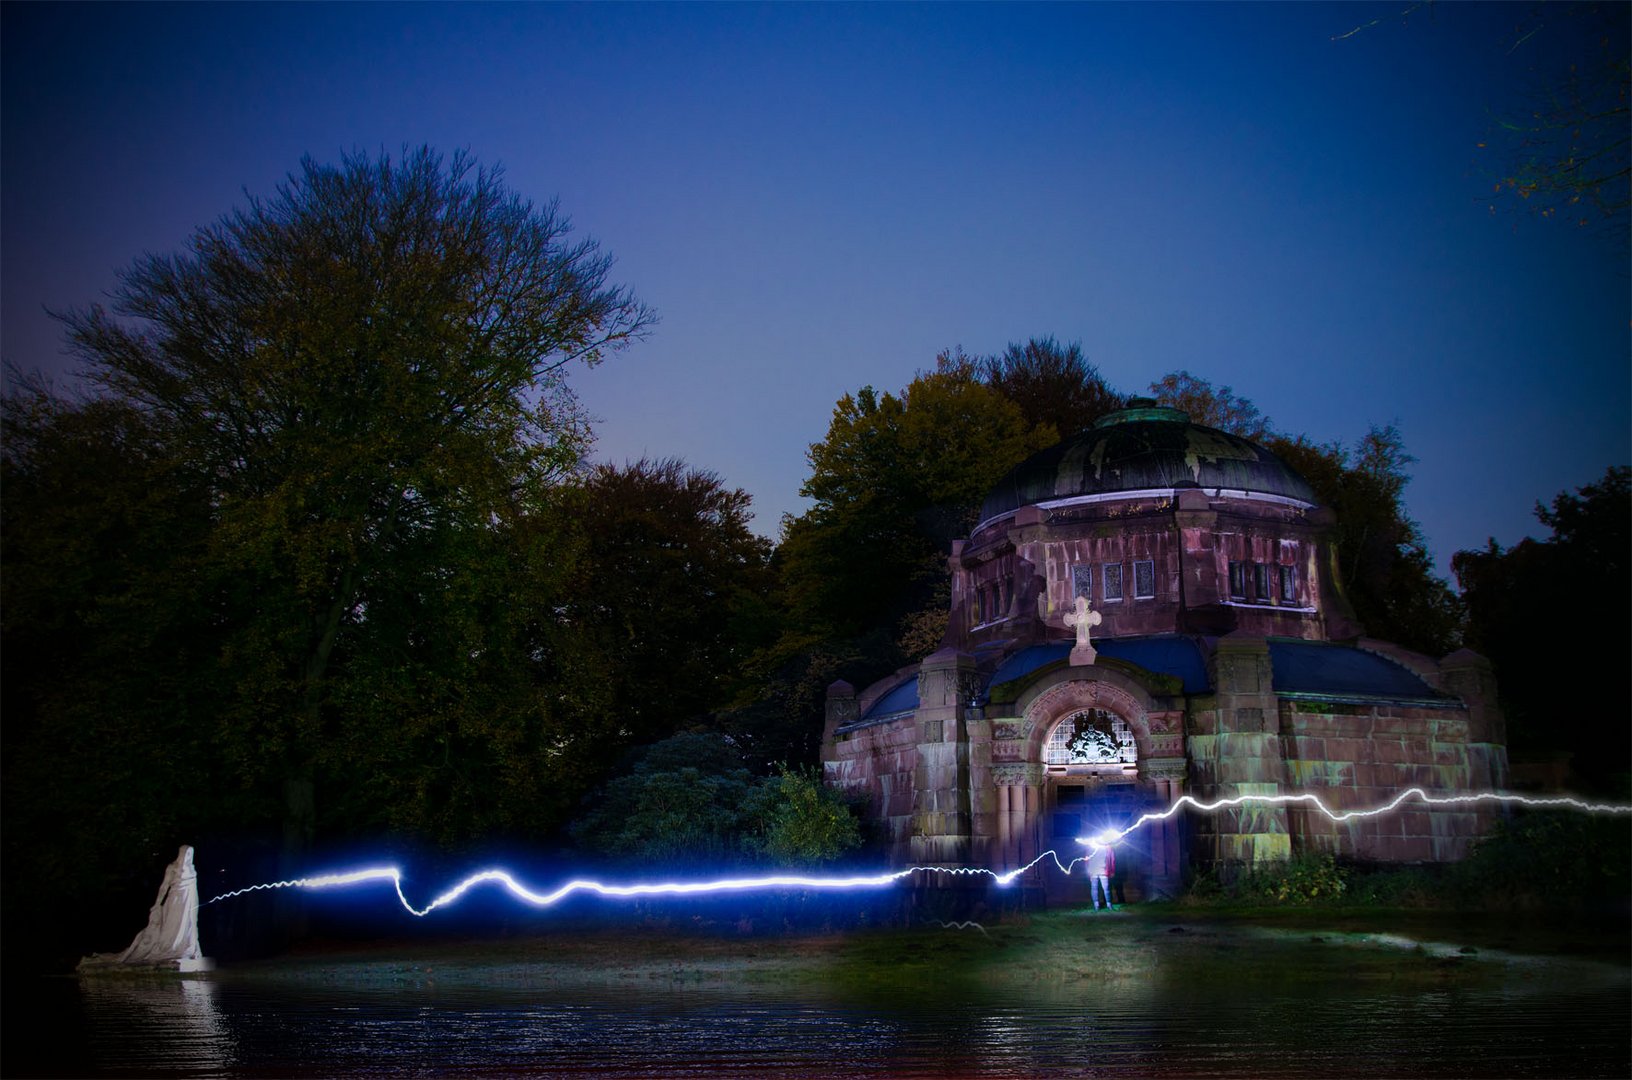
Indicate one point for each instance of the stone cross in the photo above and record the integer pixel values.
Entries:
(1082, 619)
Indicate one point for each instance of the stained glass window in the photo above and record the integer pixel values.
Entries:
(1144, 579)
(1081, 582)
(1091, 737)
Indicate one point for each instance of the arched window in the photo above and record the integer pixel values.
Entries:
(1092, 737)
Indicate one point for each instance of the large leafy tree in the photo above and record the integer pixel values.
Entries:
(897, 478)
(366, 364)
(353, 396)
(1563, 690)
(1053, 384)
(863, 579)
(672, 593)
(466, 707)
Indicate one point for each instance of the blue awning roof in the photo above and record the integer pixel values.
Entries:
(1300, 667)
(1167, 654)
(1028, 660)
(1310, 667)
(901, 698)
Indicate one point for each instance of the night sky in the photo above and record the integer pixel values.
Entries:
(821, 198)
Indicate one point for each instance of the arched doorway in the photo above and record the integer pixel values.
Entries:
(1091, 765)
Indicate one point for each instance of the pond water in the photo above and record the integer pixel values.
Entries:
(1563, 1018)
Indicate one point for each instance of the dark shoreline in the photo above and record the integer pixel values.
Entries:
(1060, 946)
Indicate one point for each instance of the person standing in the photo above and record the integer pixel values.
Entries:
(1101, 865)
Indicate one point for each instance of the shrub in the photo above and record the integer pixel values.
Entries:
(1550, 858)
(801, 821)
(1308, 879)
(688, 800)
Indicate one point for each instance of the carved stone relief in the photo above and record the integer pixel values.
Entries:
(1069, 696)
(1017, 774)
(1164, 768)
(1007, 745)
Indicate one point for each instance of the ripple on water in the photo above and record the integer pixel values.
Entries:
(154, 1027)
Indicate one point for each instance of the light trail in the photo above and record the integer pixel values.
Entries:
(548, 899)
(1106, 837)
(1233, 802)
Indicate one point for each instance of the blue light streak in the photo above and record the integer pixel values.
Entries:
(1111, 836)
(504, 879)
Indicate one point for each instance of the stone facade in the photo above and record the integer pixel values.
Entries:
(1225, 662)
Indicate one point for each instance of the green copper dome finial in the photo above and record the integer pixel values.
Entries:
(1142, 449)
(1143, 408)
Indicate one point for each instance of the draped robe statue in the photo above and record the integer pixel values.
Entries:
(170, 938)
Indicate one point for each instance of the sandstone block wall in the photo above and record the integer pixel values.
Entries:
(879, 763)
(1358, 756)
(1235, 749)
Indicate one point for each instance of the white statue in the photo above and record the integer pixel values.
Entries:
(1082, 620)
(170, 938)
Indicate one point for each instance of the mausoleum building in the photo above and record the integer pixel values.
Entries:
(1148, 609)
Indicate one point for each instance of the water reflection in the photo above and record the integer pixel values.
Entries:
(1577, 1025)
(168, 1024)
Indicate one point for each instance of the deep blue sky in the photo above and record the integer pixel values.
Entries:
(821, 198)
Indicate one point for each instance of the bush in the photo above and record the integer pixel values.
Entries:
(688, 800)
(1396, 887)
(1307, 879)
(1550, 858)
(1540, 859)
(662, 817)
(802, 821)
(1310, 879)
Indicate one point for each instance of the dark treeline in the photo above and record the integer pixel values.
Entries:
(316, 560)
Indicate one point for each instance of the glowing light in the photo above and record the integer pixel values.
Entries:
(504, 879)
(547, 899)
(1393, 804)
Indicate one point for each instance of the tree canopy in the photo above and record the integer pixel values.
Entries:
(1215, 406)
(1384, 568)
(366, 373)
(1052, 384)
(671, 592)
(304, 545)
(1587, 565)
(896, 479)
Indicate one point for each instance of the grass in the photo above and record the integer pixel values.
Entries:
(1061, 950)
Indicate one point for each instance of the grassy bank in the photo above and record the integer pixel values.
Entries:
(1062, 949)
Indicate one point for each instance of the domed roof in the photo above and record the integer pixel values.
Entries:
(1148, 447)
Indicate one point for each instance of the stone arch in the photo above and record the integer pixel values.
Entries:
(1052, 700)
